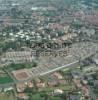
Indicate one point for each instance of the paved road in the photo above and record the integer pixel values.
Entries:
(58, 68)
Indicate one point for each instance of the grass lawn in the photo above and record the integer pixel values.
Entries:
(4, 96)
(62, 87)
(13, 66)
(96, 91)
(37, 97)
(55, 98)
(5, 79)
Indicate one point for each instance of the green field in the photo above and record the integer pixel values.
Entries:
(13, 66)
(4, 96)
(38, 97)
(5, 79)
(65, 88)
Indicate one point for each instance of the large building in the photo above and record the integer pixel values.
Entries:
(17, 57)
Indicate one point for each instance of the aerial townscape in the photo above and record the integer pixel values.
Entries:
(48, 49)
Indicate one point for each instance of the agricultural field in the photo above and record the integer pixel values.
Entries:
(4, 96)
